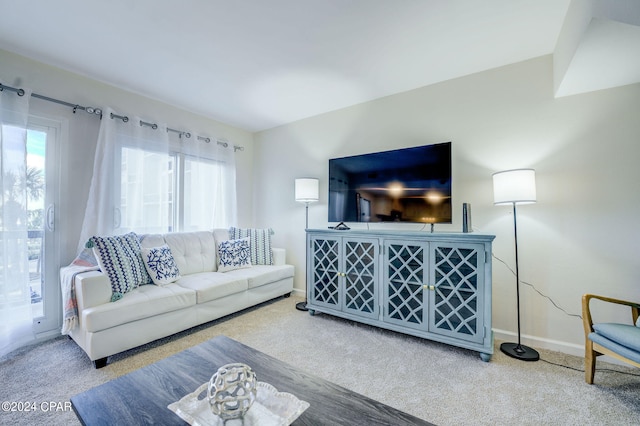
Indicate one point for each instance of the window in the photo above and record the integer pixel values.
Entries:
(147, 185)
(162, 192)
(145, 182)
(199, 197)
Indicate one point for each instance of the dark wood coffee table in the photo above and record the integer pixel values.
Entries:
(141, 397)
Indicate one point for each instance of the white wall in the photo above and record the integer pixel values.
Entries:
(78, 147)
(581, 236)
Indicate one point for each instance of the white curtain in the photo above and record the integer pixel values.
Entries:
(148, 180)
(15, 296)
(209, 184)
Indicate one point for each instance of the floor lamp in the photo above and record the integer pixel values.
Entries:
(516, 187)
(306, 191)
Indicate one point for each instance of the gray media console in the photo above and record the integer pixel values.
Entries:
(432, 285)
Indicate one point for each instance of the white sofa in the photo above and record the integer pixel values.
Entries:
(150, 312)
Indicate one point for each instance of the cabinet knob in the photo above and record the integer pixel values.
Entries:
(429, 287)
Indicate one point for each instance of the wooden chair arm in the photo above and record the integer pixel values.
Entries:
(586, 312)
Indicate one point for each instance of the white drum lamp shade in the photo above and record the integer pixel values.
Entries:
(514, 186)
(306, 190)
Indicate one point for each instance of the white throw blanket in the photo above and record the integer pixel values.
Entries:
(85, 261)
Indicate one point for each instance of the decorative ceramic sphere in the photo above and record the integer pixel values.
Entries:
(232, 390)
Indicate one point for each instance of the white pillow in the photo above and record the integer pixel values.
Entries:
(234, 254)
(161, 265)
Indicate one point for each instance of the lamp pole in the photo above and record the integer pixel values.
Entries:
(515, 238)
(513, 187)
(306, 214)
(306, 191)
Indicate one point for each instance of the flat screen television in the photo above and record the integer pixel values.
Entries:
(403, 185)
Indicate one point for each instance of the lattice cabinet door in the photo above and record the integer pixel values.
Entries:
(456, 305)
(323, 286)
(434, 286)
(404, 277)
(360, 273)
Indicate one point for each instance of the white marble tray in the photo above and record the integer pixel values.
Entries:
(270, 408)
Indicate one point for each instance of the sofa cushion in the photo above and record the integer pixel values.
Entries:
(151, 240)
(160, 264)
(213, 285)
(234, 254)
(220, 234)
(260, 275)
(259, 241)
(119, 257)
(623, 334)
(142, 302)
(193, 252)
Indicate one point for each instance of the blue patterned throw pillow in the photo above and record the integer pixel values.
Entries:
(259, 242)
(161, 265)
(234, 254)
(120, 258)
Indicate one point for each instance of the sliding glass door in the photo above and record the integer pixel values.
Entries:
(43, 195)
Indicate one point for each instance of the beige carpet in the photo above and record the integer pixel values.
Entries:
(439, 383)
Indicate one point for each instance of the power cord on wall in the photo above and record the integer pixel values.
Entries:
(536, 290)
(568, 314)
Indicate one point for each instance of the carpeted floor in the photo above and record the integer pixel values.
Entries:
(439, 383)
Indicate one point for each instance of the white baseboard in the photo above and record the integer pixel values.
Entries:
(41, 337)
(552, 345)
(298, 292)
(540, 342)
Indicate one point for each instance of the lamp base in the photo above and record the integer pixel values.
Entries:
(521, 352)
(302, 306)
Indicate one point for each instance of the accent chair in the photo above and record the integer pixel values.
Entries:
(620, 341)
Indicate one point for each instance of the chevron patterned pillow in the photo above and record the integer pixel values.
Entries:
(120, 258)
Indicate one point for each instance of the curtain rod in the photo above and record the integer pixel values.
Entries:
(21, 92)
(154, 126)
(124, 118)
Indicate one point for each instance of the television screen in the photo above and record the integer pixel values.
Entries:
(403, 185)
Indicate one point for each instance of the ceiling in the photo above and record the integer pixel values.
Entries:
(257, 64)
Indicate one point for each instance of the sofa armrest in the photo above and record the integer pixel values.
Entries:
(92, 289)
(279, 256)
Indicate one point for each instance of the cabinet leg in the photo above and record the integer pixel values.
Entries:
(312, 312)
(485, 357)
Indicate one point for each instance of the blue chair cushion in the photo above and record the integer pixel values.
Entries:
(621, 338)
